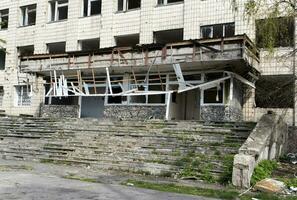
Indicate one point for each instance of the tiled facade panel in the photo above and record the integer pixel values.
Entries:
(189, 15)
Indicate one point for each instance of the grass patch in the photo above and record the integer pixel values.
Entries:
(226, 194)
(84, 179)
(168, 187)
(226, 177)
(263, 170)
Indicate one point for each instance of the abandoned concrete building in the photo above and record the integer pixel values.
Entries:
(152, 59)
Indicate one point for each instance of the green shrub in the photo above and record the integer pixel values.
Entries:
(263, 170)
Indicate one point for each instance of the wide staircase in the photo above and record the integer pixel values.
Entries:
(181, 149)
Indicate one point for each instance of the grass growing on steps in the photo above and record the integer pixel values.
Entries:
(263, 170)
(226, 194)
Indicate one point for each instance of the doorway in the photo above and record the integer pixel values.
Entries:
(92, 107)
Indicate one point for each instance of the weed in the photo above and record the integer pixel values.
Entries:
(263, 170)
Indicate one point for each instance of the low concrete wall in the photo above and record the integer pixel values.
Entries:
(60, 111)
(220, 113)
(134, 112)
(267, 141)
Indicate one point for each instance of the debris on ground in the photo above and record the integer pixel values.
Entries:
(271, 186)
(292, 158)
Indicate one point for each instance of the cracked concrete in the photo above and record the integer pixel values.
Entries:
(45, 182)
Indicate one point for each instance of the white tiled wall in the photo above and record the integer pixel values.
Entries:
(189, 15)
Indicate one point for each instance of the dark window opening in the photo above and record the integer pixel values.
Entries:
(276, 32)
(26, 50)
(4, 19)
(92, 7)
(164, 2)
(275, 92)
(2, 59)
(59, 10)
(169, 36)
(90, 44)
(120, 5)
(115, 99)
(214, 95)
(127, 40)
(28, 15)
(56, 48)
(218, 30)
(133, 4)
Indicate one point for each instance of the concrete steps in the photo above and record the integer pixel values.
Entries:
(148, 147)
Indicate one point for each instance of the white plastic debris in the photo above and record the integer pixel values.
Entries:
(130, 184)
(293, 189)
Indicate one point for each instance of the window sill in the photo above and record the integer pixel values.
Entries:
(24, 26)
(97, 15)
(125, 11)
(5, 29)
(53, 22)
(169, 4)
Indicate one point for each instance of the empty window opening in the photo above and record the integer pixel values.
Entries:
(124, 5)
(218, 30)
(26, 50)
(214, 95)
(23, 95)
(92, 7)
(127, 40)
(2, 59)
(4, 19)
(169, 36)
(58, 10)
(165, 2)
(275, 92)
(275, 32)
(28, 15)
(1, 95)
(89, 45)
(56, 48)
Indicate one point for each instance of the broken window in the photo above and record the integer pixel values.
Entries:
(124, 5)
(165, 2)
(56, 48)
(26, 50)
(218, 30)
(4, 19)
(276, 32)
(23, 95)
(59, 10)
(89, 45)
(1, 95)
(127, 40)
(169, 36)
(214, 95)
(28, 15)
(92, 7)
(275, 92)
(2, 59)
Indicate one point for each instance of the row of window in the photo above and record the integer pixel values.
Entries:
(58, 10)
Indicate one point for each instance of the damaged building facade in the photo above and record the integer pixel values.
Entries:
(133, 59)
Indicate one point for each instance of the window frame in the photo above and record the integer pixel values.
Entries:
(89, 9)
(20, 100)
(212, 29)
(54, 17)
(25, 15)
(2, 16)
(165, 2)
(126, 6)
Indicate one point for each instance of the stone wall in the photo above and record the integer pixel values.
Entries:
(220, 113)
(267, 141)
(60, 111)
(135, 112)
